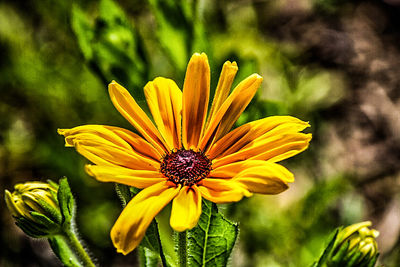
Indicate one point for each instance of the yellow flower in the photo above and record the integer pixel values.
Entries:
(188, 155)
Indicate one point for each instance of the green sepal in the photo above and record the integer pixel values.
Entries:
(60, 247)
(339, 256)
(328, 250)
(210, 243)
(52, 211)
(30, 228)
(355, 259)
(373, 261)
(123, 193)
(66, 201)
(47, 224)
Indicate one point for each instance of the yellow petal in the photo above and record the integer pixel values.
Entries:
(137, 143)
(230, 110)
(135, 178)
(289, 146)
(233, 169)
(249, 132)
(130, 228)
(274, 149)
(222, 190)
(111, 136)
(131, 111)
(102, 154)
(256, 176)
(226, 78)
(12, 206)
(196, 91)
(267, 178)
(186, 209)
(254, 141)
(165, 102)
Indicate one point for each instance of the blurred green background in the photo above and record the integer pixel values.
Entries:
(334, 63)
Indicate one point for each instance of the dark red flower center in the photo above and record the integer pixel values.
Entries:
(185, 167)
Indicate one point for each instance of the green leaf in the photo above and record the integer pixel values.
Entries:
(112, 47)
(66, 201)
(174, 29)
(63, 251)
(211, 242)
(83, 31)
(147, 257)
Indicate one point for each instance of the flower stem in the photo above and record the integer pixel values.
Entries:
(163, 260)
(182, 249)
(78, 248)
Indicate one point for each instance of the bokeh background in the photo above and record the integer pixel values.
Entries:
(334, 63)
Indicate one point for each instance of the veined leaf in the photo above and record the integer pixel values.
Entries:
(211, 242)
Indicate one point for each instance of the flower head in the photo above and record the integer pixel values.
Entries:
(34, 206)
(189, 153)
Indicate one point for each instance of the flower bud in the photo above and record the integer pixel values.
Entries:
(353, 246)
(35, 207)
(357, 244)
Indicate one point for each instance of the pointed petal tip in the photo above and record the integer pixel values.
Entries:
(7, 195)
(61, 131)
(88, 169)
(115, 86)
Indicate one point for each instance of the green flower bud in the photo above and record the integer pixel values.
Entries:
(353, 246)
(35, 207)
(359, 235)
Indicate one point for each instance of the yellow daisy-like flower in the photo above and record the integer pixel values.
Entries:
(188, 155)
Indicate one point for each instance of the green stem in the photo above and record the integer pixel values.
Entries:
(182, 249)
(78, 248)
(163, 260)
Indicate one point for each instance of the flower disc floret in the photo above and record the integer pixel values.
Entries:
(185, 167)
